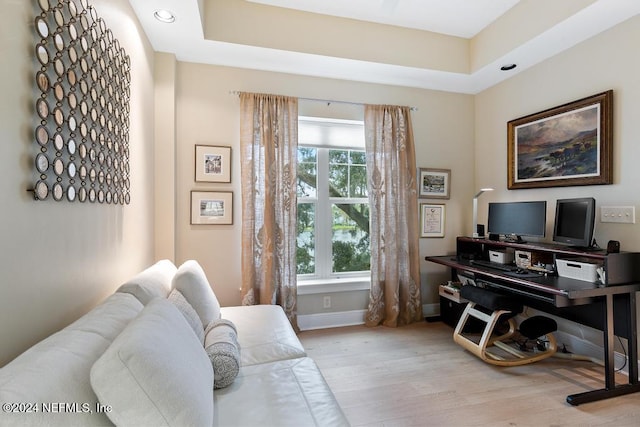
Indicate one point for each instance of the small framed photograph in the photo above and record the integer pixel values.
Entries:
(432, 220)
(211, 207)
(434, 183)
(213, 163)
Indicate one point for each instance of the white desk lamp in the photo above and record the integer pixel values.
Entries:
(475, 210)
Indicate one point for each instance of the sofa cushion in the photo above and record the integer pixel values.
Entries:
(221, 345)
(264, 333)
(156, 372)
(189, 313)
(192, 282)
(151, 283)
(290, 392)
(57, 368)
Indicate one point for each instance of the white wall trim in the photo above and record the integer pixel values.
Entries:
(347, 284)
(581, 347)
(430, 310)
(336, 319)
(307, 322)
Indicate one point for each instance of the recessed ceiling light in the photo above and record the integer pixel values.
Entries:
(163, 15)
(508, 67)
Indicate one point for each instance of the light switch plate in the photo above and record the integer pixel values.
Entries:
(619, 214)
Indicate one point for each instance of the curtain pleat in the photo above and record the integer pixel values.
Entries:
(268, 145)
(395, 263)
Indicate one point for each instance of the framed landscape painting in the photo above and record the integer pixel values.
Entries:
(562, 146)
(434, 183)
(211, 207)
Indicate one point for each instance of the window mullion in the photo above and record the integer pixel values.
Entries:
(323, 217)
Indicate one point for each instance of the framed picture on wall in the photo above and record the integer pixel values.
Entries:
(562, 146)
(212, 207)
(213, 163)
(432, 220)
(434, 183)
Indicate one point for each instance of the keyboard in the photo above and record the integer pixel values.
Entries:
(493, 265)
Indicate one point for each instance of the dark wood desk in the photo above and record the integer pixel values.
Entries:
(610, 308)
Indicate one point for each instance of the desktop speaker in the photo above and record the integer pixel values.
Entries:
(613, 247)
(480, 230)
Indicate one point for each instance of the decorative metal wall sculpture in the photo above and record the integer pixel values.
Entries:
(82, 106)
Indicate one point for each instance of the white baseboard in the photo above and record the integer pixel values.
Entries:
(308, 322)
(431, 310)
(582, 347)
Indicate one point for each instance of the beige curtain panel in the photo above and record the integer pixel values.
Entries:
(391, 165)
(268, 151)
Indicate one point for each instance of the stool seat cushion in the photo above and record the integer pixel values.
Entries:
(490, 299)
(537, 326)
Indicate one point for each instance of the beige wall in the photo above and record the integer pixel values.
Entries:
(59, 259)
(604, 62)
(208, 114)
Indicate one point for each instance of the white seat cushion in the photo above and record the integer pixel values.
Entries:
(284, 393)
(264, 333)
(156, 372)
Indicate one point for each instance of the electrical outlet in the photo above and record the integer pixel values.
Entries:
(326, 302)
(619, 214)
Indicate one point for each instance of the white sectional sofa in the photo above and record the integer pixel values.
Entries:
(139, 358)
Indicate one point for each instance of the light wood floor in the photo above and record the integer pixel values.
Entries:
(417, 376)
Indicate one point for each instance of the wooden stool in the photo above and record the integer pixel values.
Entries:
(494, 309)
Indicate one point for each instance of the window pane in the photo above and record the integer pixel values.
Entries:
(339, 157)
(358, 158)
(338, 180)
(347, 173)
(358, 181)
(307, 172)
(350, 237)
(338, 173)
(306, 241)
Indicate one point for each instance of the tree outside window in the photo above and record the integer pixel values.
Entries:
(333, 212)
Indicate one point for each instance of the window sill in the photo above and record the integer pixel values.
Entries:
(322, 286)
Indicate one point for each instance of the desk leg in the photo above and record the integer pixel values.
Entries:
(633, 340)
(611, 390)
(609, 355)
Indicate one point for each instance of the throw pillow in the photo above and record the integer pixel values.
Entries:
(188, 312)
(221, 344)
(155, 372)
(153, 282)
(192, 282)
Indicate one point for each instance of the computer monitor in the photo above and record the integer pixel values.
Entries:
(516, 219)
(574, 222)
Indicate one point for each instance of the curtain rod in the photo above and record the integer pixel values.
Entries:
(328, 101)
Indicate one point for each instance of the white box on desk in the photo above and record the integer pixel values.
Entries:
(579, 270)
(501, 257)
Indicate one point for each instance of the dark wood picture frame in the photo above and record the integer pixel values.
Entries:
(211, 207)
(571, 144)
(213, 163)
(434, 183)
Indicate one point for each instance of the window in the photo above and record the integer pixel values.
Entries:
(333, 205)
